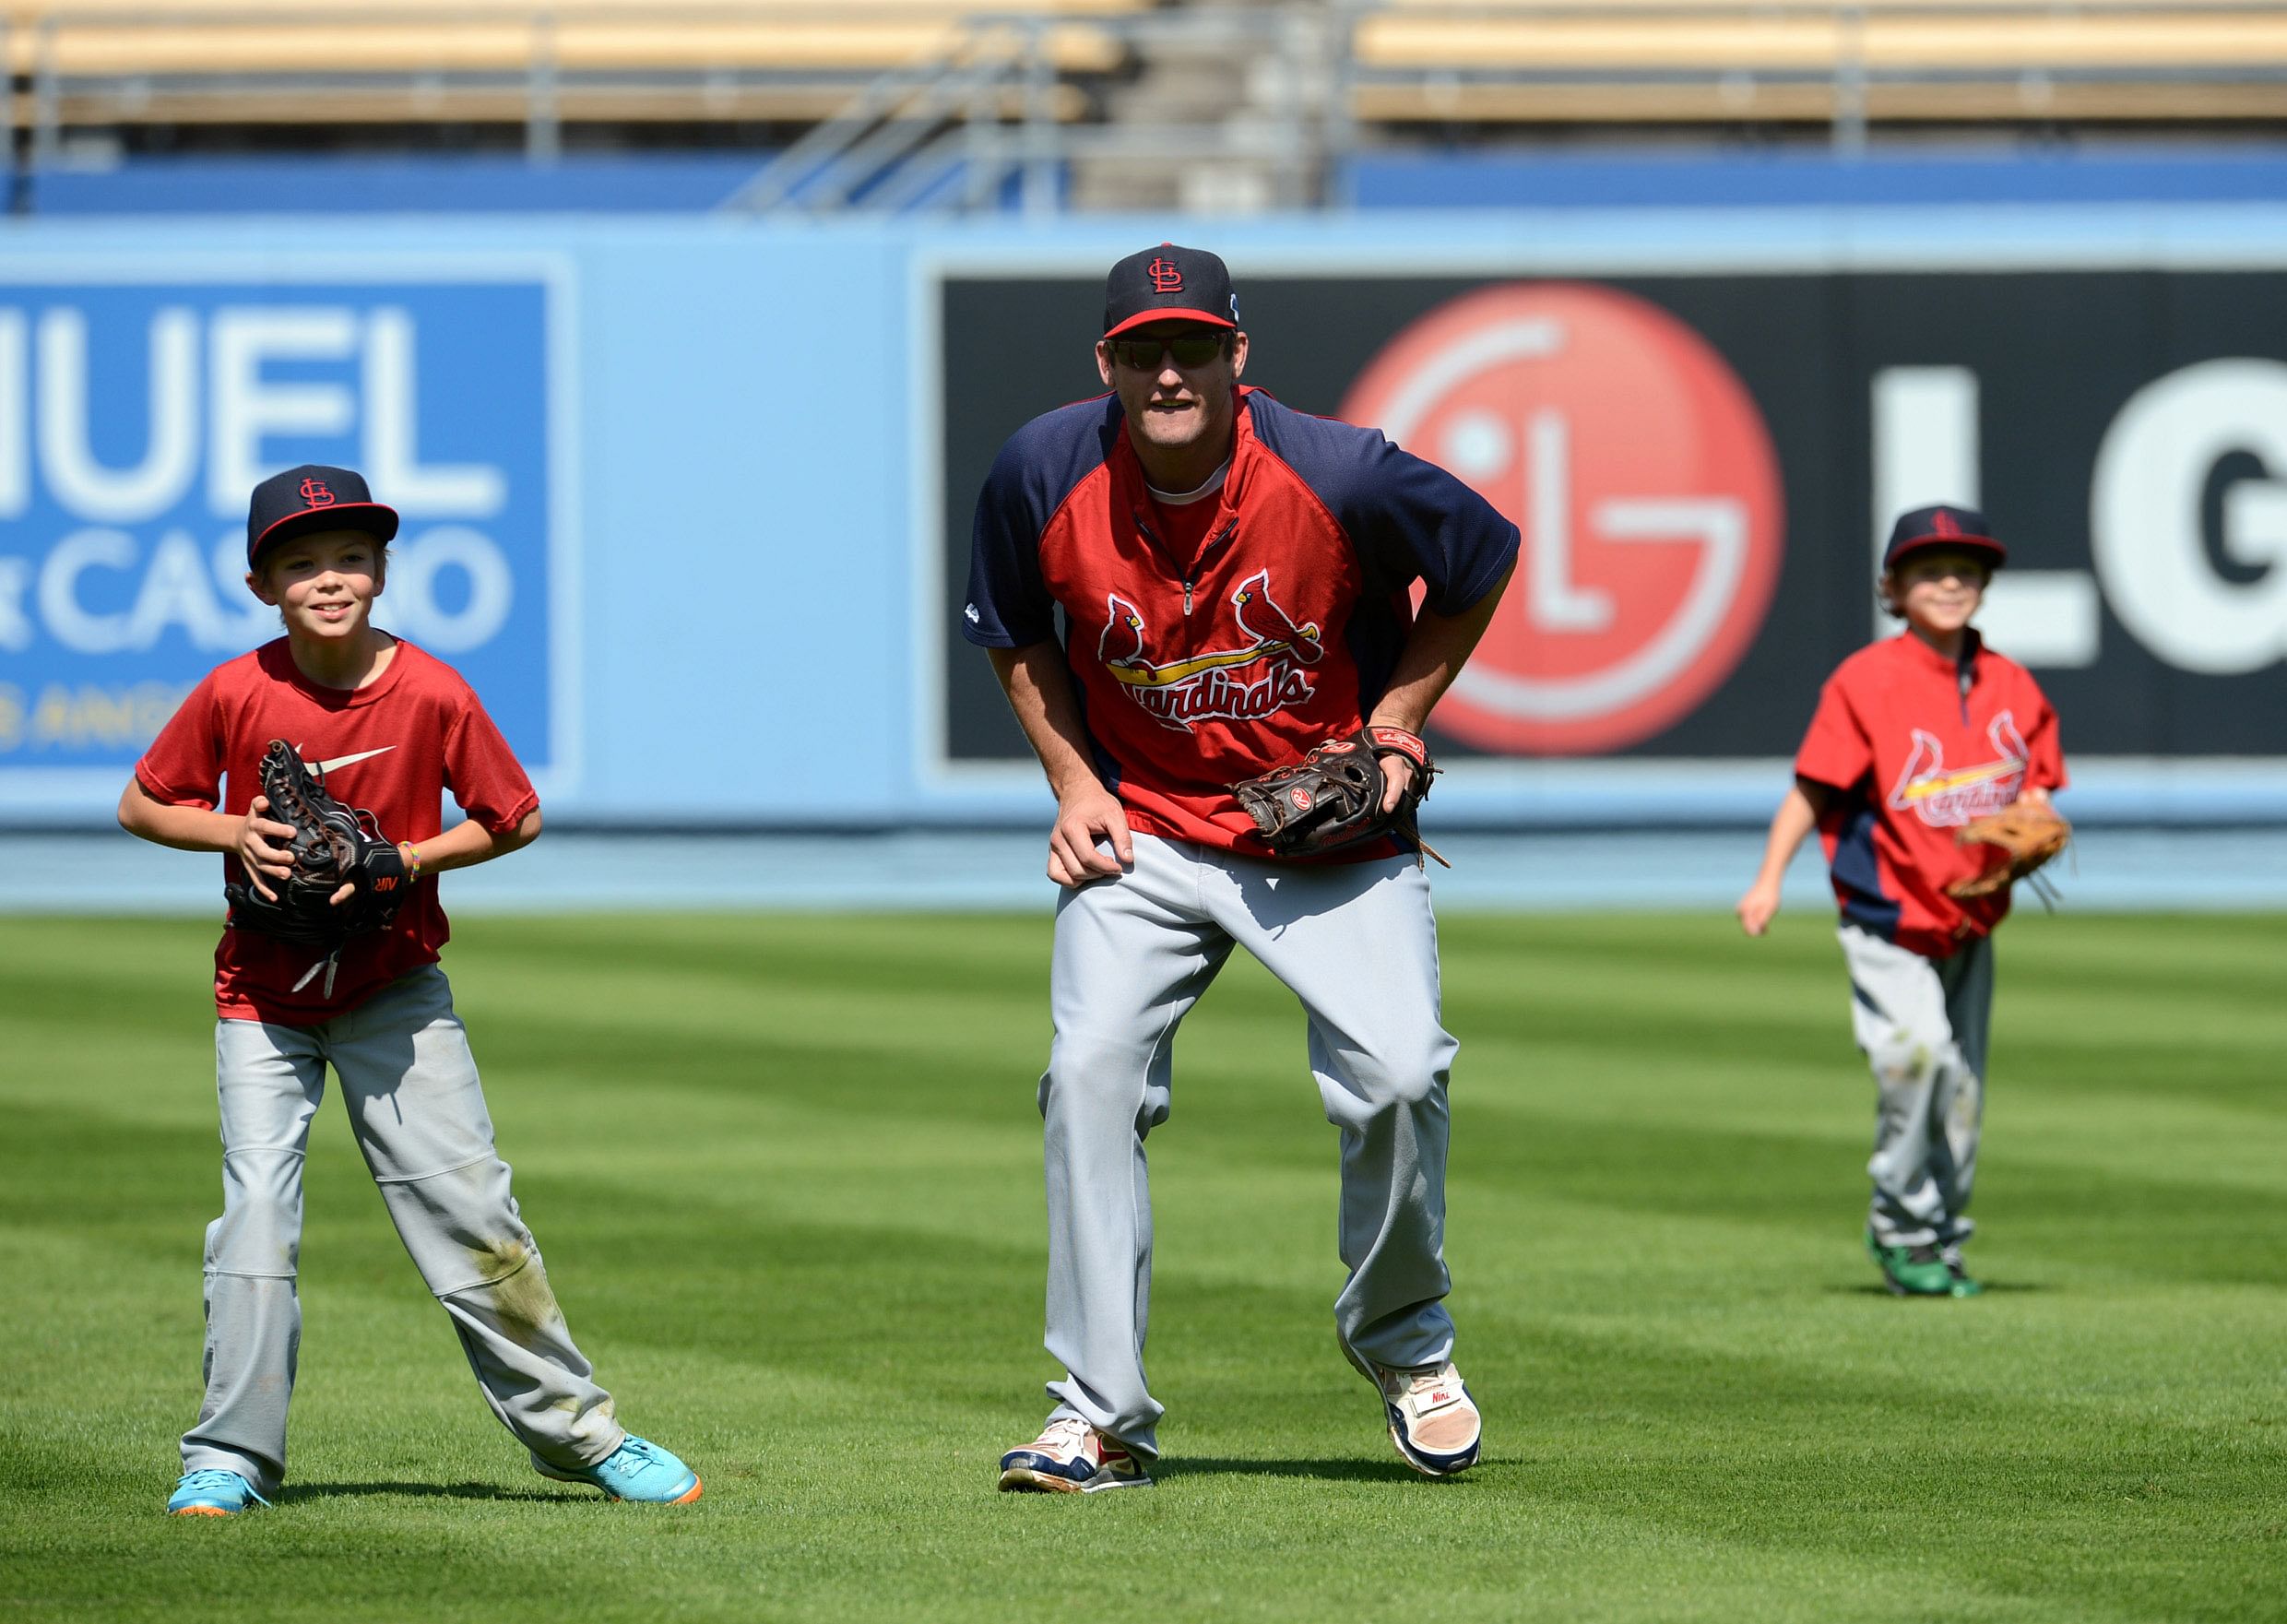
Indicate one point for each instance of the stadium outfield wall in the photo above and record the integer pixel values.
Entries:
(685, 496)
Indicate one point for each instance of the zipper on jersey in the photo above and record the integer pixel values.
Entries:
(1191, 570)
(1192, 575)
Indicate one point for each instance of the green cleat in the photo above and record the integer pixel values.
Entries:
(1913, 1271)
(1962, 1284)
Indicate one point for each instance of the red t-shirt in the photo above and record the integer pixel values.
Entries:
(1916, 746)
(393, 747)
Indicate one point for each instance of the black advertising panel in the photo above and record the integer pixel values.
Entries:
(1700, 466)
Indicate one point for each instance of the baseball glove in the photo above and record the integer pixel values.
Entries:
(1332, 798)
(333, 846)
(2028, 834)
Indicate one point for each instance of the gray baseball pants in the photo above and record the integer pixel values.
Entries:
(410, 1086)
(1357, 942)
(1922, 1024)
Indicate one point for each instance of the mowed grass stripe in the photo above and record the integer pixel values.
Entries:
(1802, 1411)
(790, 1193)
(1707, 1177)
(1501, 1286)
(733, 1063)
(1681, 1165)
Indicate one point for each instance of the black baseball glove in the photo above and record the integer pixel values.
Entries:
(1332, 798)
(333, 846)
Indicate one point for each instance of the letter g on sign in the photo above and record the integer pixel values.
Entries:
(2145, 518)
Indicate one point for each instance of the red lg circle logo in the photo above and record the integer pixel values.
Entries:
(1643, 480)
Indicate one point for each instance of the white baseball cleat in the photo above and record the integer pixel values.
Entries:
(1432, 1419)
(1072, 1458)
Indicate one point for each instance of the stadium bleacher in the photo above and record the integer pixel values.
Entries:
(936, 103)
(1909, 61)
(113, 62)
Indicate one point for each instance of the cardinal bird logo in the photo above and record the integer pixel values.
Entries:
(1946, 799)
(1260, 675)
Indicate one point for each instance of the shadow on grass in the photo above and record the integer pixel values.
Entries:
(1991, 1288)
(315, 1492)
(1340, 1471)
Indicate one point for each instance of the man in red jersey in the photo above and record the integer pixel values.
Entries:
(390, 730)
(1915, 736)
(1233, 583)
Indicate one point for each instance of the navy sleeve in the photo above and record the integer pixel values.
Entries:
(1409, 519)
(1008, 604)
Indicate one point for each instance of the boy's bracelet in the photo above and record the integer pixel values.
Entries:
(412, 854)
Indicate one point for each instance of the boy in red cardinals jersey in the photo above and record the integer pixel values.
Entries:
(391, 729)
(1913, 737)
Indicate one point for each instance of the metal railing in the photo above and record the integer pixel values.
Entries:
(920, 130)
(915, 128)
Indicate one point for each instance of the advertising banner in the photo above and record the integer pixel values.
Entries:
(141, 398)
(1703, 466)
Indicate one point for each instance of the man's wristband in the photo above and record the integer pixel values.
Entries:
(1400, 741)
(412, 854)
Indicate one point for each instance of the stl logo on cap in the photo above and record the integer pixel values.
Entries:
(315, 494)
(1643, 477)
(1167, 275)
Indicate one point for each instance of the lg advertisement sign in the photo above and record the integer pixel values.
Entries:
(139, 404)
(1644, 477)
(1701, 467)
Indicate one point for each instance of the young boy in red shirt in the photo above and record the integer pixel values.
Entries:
(1913, 737)
(391, 729)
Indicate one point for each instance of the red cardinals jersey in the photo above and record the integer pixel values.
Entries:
(1213, 646)
(393, 747)
(1916, 746)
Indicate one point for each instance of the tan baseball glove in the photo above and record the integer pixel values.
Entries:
(2029, 832)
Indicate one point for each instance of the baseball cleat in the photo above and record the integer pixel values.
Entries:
(638, 1470)
(1072, 1458)
(211, 1493)
(1432, 1419)
(1913, 1271)
(1962, 1284)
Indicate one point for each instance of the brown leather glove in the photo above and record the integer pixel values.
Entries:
(2029, 832)
(1332, 798)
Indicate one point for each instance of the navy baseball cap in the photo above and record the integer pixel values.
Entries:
(1942, 526)
(312, 497)
(1169, 283)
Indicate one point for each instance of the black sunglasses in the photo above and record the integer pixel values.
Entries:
(1142, 355)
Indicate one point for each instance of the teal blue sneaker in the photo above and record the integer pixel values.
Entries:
(638, 1470)
(211, 1493)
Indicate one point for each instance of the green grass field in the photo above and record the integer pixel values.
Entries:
(785, 1173)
